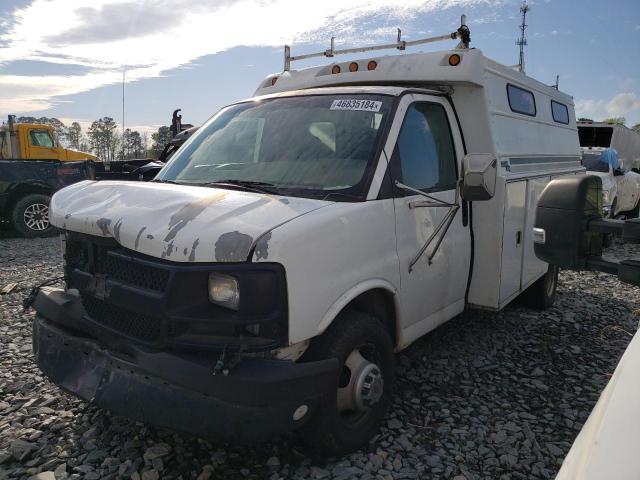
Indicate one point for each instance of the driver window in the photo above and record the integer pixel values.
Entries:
(41, 138)
(425, 149)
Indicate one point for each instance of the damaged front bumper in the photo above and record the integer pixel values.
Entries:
(257, 399)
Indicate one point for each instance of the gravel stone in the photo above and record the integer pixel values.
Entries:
(484, 396)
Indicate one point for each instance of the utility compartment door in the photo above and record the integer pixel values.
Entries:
(513, 239)
(532, 266)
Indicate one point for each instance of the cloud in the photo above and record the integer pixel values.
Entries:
(150, 37)
(114, 22)
(619, 106)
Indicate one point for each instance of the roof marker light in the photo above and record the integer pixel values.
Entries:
(335, 69)
(372, 65)
(454, 60)
(353, 67)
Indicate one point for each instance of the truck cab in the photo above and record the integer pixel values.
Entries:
(31, 141)
(263, 281)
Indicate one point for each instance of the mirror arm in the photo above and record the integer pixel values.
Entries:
(436, 201)
(442, 226)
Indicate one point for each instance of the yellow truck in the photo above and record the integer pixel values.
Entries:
(32, 141)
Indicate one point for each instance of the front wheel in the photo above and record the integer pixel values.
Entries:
(31, 216)
(542, 294)
(355, 407)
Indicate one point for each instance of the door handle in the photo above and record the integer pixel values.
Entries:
(518, 237)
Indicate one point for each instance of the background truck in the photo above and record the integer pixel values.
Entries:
(26, 188)
(32, 141)
(146, 169)
(596, 136)
(612, 152)
(263, 281)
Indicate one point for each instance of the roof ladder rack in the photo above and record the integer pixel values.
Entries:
(463, 33)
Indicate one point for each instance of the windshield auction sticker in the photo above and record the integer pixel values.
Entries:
(353, 104)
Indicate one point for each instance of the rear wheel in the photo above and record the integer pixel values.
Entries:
(352, 412)
(31, 216)
(542, 294)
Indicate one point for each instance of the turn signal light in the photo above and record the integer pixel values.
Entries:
(335, 69)
(353, 67)
(454, 59)
(372, 65)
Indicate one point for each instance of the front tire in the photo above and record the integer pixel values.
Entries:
(30, 216)
(542, 294)
(352, 412)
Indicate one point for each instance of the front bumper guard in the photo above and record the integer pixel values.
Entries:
(259, 398)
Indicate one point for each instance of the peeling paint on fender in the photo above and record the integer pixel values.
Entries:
(103, 225)
(116, 230)
(262, 246)
(233, 247)
(138, 237)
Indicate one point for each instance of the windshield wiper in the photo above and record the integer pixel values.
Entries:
(158, 180)
(250, 185)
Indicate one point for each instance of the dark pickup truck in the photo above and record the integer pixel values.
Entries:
(26, 187)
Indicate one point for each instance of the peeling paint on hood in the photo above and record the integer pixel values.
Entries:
(177, 222)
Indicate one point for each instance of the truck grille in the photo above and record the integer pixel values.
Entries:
(132, 324)
(116, 262)
(144, 276)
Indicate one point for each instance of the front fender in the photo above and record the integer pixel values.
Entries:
(355, 291)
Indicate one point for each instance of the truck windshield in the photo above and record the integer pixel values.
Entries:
(313, 146)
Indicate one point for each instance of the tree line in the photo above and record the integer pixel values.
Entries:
(614, 121)
(105, 139)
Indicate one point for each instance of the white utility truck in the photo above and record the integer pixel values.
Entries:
(264, 280)
(612, 152)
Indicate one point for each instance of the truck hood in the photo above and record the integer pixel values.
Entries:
(177, 222)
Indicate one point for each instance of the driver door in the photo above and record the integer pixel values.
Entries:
(41, 145)
(426, 157)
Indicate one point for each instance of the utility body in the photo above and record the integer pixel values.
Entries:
(264, 280)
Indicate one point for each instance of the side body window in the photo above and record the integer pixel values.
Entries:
(41, 138)
(560, 112)
(425, 151)
(521, 100)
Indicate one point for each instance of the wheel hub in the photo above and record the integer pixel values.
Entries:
(365, 385)
(369, 387)
(36, 217)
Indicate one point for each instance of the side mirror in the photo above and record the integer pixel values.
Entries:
(564, 208)
(479, 176)
(618, 172)
(569, 228)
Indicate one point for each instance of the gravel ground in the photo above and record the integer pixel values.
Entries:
(485, 396)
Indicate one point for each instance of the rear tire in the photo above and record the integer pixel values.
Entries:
(30, 216)
(352, 412)
(542, 294)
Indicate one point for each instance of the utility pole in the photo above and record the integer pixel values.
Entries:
(522, 41)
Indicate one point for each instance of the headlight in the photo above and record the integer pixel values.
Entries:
(605, 196)
(224, 290)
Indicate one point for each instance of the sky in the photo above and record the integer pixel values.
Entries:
(66, 58)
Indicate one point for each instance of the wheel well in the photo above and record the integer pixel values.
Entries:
(20, 192)
(380, 304)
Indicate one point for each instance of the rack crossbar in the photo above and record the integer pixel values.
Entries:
(462, 33)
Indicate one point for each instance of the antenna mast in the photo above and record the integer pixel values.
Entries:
(123, 78)
(522, 41)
